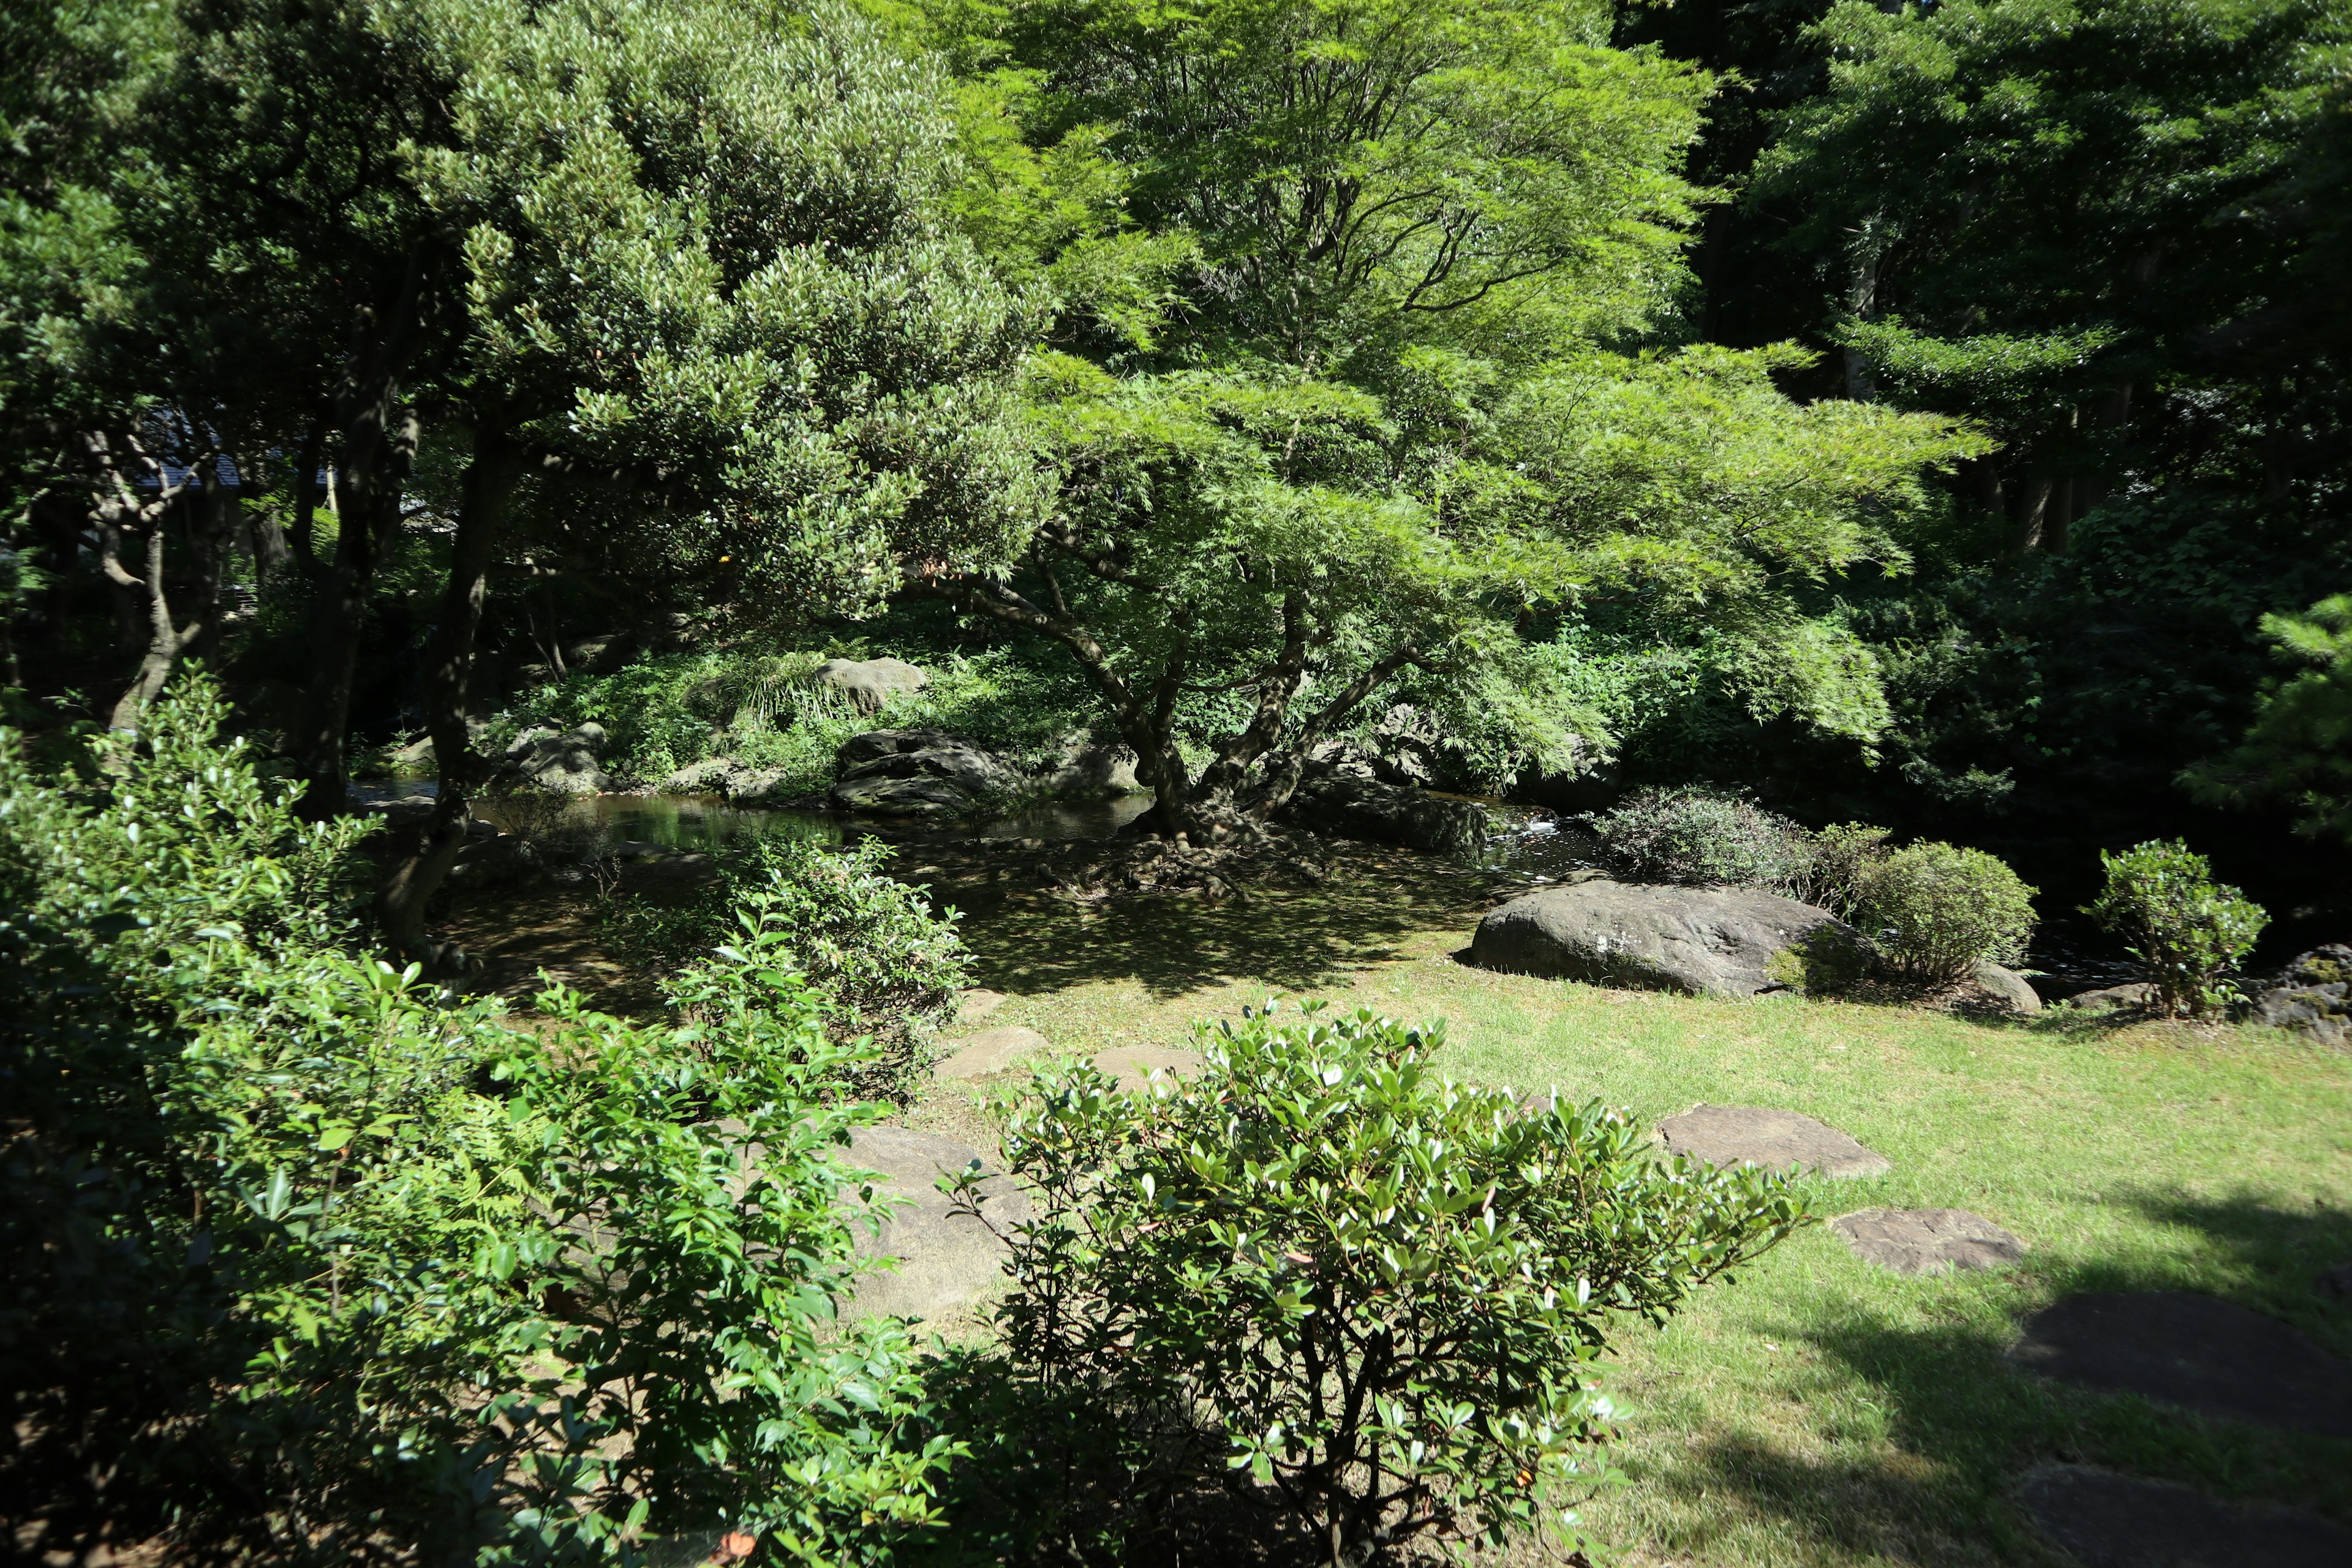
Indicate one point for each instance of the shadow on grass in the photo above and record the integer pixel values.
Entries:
(1965, 1421)
(1288, 938)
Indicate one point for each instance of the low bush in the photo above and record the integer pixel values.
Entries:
(1332, 1286)
(2191, 931)
(1701, 838)
(881, 965)
(1937, 910)
(302, 1261)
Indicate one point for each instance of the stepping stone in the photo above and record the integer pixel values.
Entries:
(976, 1003)
(1132, 1065)
(1750, 1135)
(1926, 1241)
(2335, 1282)
(2121, 1521)
(945, 1258)
(2196, 1352)
(990, 1050)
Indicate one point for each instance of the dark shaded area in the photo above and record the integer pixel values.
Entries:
(2121, 1521)
(2196, 1351)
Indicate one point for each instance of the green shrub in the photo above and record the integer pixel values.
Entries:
(881, 964)
(1937, 910)
(1701, 839)
(2189, 932)
(1326, 1279)
(1844, 856)
(303, 1258)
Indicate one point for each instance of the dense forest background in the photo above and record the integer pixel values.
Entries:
(1926, 415)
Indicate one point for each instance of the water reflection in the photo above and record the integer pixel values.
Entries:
(705, 822)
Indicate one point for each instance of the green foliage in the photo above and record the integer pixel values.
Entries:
(1704, 838)
(883, 970)
(1937, 910)
(306, 1255)
(2188, 930)
(1335, 1283)
(2299, 747)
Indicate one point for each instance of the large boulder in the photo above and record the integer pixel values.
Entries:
(730, 776)
(1352, 806)
(869, 683)
(2312, 994)
(921, 772)
(1087, 769)
(1699, 940)
(568, 764)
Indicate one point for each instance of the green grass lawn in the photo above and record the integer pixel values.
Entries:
(1818, 1410)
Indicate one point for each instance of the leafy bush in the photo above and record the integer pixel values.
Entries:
(1333, 1283)
(881, 964)
(302, 1258)
(2299, 747)
(1937, 910)
(1704, 839)
(1844, 856)
(2191, 931)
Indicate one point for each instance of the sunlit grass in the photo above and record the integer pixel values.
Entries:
(1820, 1410)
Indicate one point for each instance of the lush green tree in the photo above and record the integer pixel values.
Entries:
(1376, 429)
(2299, 747)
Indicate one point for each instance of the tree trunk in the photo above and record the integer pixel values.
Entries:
(165, 642)
(2033, 514)
(1860, 304)
(488, 500)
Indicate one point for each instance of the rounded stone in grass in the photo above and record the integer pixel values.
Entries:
(945, 1257)
(989, 1052)
(2108, 1520)
(1926, 1241)
(1755, 1135)
(2196, 1351)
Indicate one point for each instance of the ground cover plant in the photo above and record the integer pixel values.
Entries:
(1366, 1298)
(309, 1262)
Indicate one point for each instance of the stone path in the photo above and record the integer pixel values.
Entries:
(1133, 1065)
(2196, 1351)
(946, 1259)
(1926, 1241)
(991, 1051)
(1751, 1135)
(978, 1003)
(2120, 1521)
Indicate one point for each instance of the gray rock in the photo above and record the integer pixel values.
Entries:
(869, 683)
(737, 780)
(2114, 998)
(1699, 940)
(1132, 1066)
(978, 1003)
(2313, 995)
(1087, 769)
(2108, 1520)
(1351, 806)
(1926, 1241)
(921, 773)
(2196, 1351)
(1725, 1135)
(1407, 748)
(2005, 990)
(945, 1258)
(991, 1051)
(568, 764)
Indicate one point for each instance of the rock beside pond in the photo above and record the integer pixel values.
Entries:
(1087, 769)
(2313, 995)
(739, 781)
(1997, 988)
(1699, 941)
(945, 1258)
(869, 683)
(1349, 806)
(921, 772)
(569, 764)
(2114, 998)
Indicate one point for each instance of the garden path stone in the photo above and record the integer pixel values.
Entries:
(1753, 1135)
(946, 1259)
(1926, 1241)
(2196, 1351)
(1700, 941)
(1133, 1065)
(978, 1003)
(989, 1052)
(2122, 1521)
